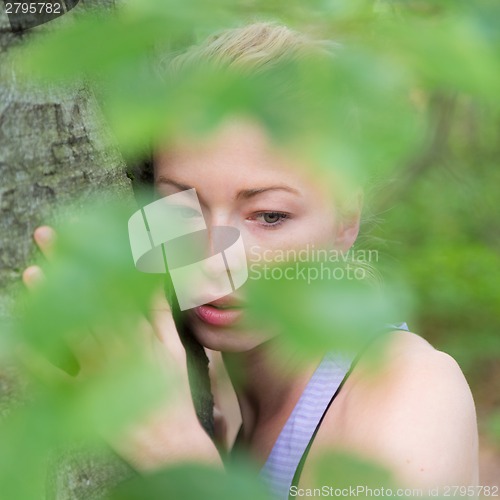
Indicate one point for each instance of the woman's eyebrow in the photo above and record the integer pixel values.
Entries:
(178, 185)
(243, 193)
(249, 193)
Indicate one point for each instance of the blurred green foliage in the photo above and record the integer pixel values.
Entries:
(194, 481)
(324, 306)
(89, 306)
(409, 104)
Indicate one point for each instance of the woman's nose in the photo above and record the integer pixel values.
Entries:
(223, 230)
(215, 268)
(226, 255)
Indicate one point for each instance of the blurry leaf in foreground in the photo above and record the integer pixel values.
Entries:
(342, 470)
(321, 306)
(89, 309)
(104, 42)
(350, 90)
(92, 306)
(90, 283)
(192, 482)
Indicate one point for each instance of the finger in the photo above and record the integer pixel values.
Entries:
(32, 277)
(166, 332)
(161, 317)
(45, 238)
(89, 353)
(166, 342)
(159, 302)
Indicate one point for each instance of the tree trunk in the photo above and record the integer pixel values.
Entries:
(52, 150)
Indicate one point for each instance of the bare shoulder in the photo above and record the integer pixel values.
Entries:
(408, 406)
(413, 364)
(404, 366)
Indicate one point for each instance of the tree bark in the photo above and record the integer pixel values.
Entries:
(53, 149)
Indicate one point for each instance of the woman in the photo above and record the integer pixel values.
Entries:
(414, 416)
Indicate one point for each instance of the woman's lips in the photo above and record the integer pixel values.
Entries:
(218, 316)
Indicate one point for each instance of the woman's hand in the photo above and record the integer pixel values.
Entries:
(171, 433)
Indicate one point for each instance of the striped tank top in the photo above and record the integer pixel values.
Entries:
(283, 466)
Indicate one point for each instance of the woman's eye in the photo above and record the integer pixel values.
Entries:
(186, 212)
(270, 219)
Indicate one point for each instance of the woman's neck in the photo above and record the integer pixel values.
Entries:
(267, 385)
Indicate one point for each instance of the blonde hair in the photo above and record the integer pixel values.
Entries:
(255, 47)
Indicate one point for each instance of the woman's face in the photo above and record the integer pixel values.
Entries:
(243, 181)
